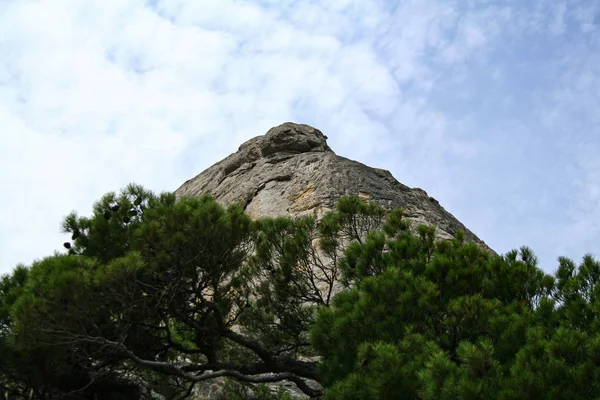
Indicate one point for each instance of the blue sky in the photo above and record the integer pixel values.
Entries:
(492, 107)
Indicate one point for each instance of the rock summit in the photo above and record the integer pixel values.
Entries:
(291, 171)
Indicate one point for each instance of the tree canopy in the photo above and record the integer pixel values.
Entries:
(157, 296)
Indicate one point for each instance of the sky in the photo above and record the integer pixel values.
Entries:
(492, 107)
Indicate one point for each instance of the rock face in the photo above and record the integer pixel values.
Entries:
(291, 171)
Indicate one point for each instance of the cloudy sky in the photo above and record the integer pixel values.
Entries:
(492, 107)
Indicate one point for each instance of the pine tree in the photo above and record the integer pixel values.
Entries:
(450, 321)
(159, 294)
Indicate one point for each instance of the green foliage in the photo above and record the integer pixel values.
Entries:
(146, 276)
(160, 294)
(479, 326)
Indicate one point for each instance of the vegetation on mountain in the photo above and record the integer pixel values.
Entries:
(156, 296)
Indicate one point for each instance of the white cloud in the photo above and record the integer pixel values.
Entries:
(94, 95)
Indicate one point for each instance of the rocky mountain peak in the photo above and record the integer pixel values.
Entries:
(287, 138)
(291, 171)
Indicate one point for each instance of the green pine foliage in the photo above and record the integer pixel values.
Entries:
(157, 295)
(451, 321)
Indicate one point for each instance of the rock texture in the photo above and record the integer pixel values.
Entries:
(292, 171)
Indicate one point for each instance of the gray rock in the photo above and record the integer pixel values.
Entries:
(291, 171)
